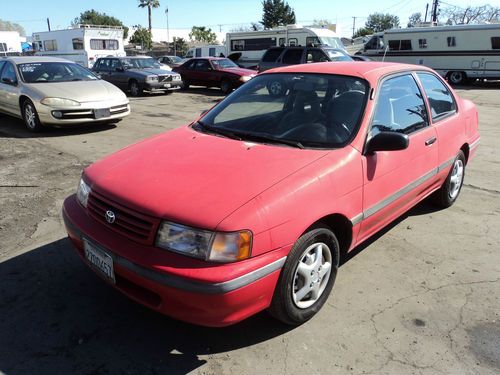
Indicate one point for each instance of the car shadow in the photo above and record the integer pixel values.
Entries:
(56, 316)
(202, 91)
(480, 85)
(11, 127)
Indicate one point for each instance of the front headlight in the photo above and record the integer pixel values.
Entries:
(207, 245)
(82, 193)
(246, 78)
(60, 102)
(152, 78)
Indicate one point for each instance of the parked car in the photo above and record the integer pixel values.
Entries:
(251, 206)
(214, 72)
(136, 74)
(171, 61)
(52, 91)
(282, 56)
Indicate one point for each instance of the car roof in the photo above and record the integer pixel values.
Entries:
(209, 58)
(370, 70)
(36, 59)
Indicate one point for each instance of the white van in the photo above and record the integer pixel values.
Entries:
(83, 44)
(206, 51)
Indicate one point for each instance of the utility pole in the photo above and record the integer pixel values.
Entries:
(48, 23)
(220, 28)
(168, 30)
(353, 26)
(426, 10)
(435, 4)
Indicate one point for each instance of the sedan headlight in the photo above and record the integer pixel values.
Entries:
(82, 193)
(152, 78)
(207, 245)
(246, 78)
(60, 102)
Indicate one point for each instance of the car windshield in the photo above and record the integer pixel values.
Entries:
(224, 64)
(292, 109)
(331, 42)
(54, 72)
(140, 63)
(175, 59)
(336, 55)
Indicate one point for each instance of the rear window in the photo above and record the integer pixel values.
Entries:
(272, 55)
(292, 56)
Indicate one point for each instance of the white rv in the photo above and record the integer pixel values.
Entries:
(253, 44)
(10, 43)
(83, 44)
(458, 53)
(206, 51)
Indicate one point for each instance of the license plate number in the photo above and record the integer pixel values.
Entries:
(99, 260)
(102, 113)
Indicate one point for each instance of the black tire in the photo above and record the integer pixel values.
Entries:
(457, 78)
(134, 88)
(225, 86)
(449, 191)
(185, 83)
(30, 116)
(276, 88)
(284, 305)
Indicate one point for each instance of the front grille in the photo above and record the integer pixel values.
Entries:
(119, 109)
(166, 78)
(132, 224)
(74, 114)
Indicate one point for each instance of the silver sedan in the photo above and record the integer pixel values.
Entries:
(52, 91)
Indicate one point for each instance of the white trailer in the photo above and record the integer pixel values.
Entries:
(10, 43)
(458, 53)
(206, 51)
(253, 44)
(83, 44)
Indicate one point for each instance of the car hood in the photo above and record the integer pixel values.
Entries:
(160, 72)
(240, 71)
(81, 91)
(193, 178)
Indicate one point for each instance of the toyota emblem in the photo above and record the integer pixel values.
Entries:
(110, 217)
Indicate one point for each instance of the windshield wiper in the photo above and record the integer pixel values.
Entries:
(212, 130)
(269, 139)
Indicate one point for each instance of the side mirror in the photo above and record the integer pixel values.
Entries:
(387, 141)
(8, 81)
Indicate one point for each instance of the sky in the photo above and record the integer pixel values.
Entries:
(220, 15)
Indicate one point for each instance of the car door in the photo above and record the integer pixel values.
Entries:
(395, 180)
(204, 73)
(9, 89)
(103, 69)
(117, 74)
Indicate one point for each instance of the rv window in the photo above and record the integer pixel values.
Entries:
(397, 45)
(211, 51)
(422, 43)
(405, 45)
(451, 41)
(198, 52)
(254, 44)
(393, 45)
(312, 41)
(440, 99)
(3, 47)
(292, 56)
(50, 45)
(237, 45)
(495, 42)
(78, 43)
(103, 44)
(292, 42)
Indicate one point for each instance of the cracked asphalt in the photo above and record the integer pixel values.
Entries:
(422, 297)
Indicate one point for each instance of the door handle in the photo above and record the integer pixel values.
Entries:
(430, 141)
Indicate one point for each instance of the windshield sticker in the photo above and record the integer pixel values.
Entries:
(29, 68)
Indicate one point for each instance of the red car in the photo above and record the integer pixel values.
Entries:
(251, 206)
(214, 72)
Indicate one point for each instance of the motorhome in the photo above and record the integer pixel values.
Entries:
(253, 44)
(206, 51)
(459, 53)
(10, 43)
(83, 44)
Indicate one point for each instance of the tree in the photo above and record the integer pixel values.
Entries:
(415, 20)
(252, 27)
(276, 13)
(93, 17)
(10, 26)
(380, 22)
(142, 36)
(362, 32)
(471, 14)
(202, 34)
(180, 46)
(150, 4)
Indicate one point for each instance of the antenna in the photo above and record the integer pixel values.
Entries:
(385, 51)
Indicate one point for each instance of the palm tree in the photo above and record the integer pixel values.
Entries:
(150, 4)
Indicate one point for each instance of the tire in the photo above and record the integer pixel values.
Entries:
(449, 191)
(307, 277)
(276, 88)
(30, 117)
(185, 83)
(135, 89)
(225, 86)
(457, 78)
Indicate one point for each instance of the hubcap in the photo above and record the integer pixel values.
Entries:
(312, 275)
(275, 88)
(456, 178)
(134, 89)
(30, 116)
(456, 77)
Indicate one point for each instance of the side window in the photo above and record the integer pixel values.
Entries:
(211, 51)
(202, 65)
(281, 42)
(105, 65)
(2, 63)
(452, 42)
(77, 43)
(441, 101)
(50, 45)
(8, 74)
(422, 43)
(315, 55)
(495, 42)
(292, 56)
(400, 107)
(189, 65)
(115, 63)
(198, 52)
(272, 55)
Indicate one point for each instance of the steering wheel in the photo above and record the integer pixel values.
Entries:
(308, 132)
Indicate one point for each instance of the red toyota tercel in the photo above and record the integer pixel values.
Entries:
(251, 206)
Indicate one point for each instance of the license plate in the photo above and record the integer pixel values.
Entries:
(99, 260)
(102, 113)
(167, 85)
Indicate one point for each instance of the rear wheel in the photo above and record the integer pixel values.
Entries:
(276, 88)
(134, 88)
(225, 86)
(185, 83)
(448, 193)
(30, 116)
(307, 277)
(457, 78)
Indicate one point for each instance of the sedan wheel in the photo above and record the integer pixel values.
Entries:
(307, 277)
(225, 87)
(448, 193)
(276, 88)
(134, 88)
(30, 116)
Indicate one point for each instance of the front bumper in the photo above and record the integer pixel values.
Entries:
(198, 292)
(165, 85)
(83, 114)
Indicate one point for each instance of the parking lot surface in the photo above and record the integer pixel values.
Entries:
(423, 297)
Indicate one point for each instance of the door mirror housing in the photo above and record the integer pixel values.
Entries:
(8, 81)
(387, 141)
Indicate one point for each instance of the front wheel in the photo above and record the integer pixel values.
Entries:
(226, 87)
(135, 89)
(30, 116)
(276, 88)
(307, 277)
(448, 193)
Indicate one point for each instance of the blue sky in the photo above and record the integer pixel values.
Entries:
(228, 13)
